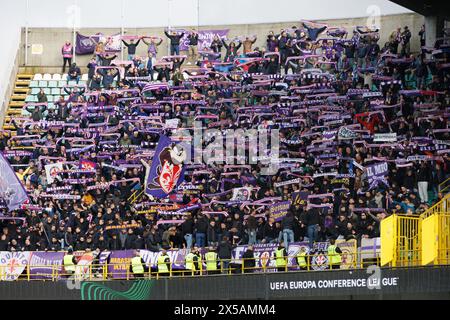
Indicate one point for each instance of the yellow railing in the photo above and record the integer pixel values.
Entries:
(442, 206)
(416, 241)
(443, 186)
(123, 271)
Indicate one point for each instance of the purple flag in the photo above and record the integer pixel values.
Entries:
(205, 38)
(300, 198)
(119, 263)
(12, 192)
(376, 174)
(86, 45)
(42, 264)
(167, 170)
(279, 210)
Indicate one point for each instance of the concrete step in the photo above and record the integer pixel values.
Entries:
(14, 112)
(23, 83)
(25, 77)
(16, 104)
(21, 90)
(18, 97)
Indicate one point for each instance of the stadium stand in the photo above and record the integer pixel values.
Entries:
(363, 143)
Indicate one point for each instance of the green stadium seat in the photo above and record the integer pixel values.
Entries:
(43, 83)
(53, 84)
(56, 91)
(34, 91)
(62, 83)
(47, 91)
(72, 83)
(50, 98)
(51, 105)
(31, 98)
(82, 83)
(34, 84)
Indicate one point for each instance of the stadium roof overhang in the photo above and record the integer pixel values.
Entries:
(426, 7)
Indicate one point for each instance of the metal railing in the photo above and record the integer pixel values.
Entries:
(417, 240)
(443, 186)
(123, 271)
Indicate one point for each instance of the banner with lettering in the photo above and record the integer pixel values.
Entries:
(300, 198)
(13, 264)
(279, 210)
(205, 38)
(376, 174)
(43, 264)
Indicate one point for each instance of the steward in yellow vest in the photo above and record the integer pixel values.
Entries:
(211, 261)
(137, 265)
(302, 259)
(281, 258)
(69, 262)
(193, 262)
(334, 255)
(164, 263)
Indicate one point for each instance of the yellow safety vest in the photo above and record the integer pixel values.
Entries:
(162, 266)
(301, 259)
(333, 256)
(280, 259)
(211, 260)
(136, 265)
(68, 263)
(190, 261)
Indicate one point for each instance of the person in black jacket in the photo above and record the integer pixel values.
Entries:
(216, 45)
(201, 228)
(131, 48)
(249, 260)
(187, 230)
(270, 231)
(74, 73)
(193, 46)
(231, 50)
(224, 250)
(105, 61)
(287, 225)
(163, 73)
(174, 42)
(312, 220)
(423, 178)
(37, 113)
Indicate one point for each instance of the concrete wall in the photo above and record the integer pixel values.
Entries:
(53, 38)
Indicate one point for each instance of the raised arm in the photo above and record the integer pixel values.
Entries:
(126, 44)
(224, 44)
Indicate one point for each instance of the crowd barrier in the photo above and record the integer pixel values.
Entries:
(116, 265)
(417, 240)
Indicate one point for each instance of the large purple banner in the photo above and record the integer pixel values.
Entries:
(43, 264)
(205, 38)
(86, 45)
(376, 174)
(12, 193)
(279, 210)
(167, 170)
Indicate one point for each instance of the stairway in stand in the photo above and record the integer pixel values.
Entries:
(17, 101)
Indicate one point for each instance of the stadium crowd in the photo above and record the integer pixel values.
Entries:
(330, 95)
